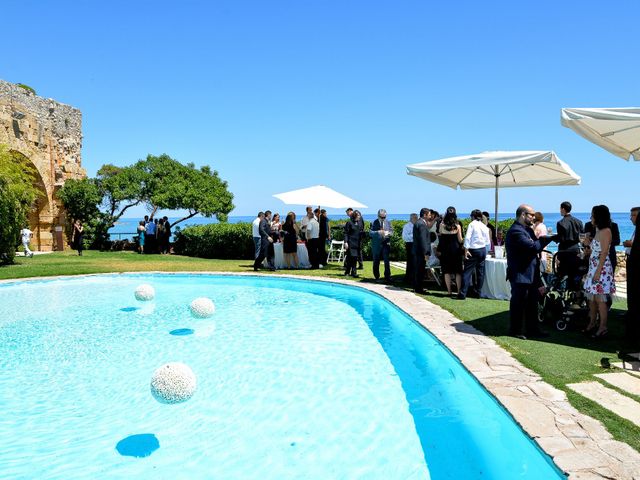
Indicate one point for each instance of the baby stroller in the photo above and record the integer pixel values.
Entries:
(563, 302)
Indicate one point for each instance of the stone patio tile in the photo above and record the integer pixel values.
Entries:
(609, 399)
(581, 460)
(630, 367)
(546, 391)
(594, 428)
(554, 445)
(621, 451)
(622, 380)
(534, 417)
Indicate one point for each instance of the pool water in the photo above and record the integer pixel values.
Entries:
(296, 379)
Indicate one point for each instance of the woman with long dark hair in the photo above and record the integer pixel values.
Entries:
(450, 249)
(599, 284)
(290, 241)
(352, 235)
(77, 237)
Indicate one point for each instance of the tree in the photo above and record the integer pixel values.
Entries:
(160, 182)
(170, 185)
(17, 194)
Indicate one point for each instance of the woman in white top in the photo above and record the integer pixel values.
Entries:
(541, 230)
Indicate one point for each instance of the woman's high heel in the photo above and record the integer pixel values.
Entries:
(602, 334)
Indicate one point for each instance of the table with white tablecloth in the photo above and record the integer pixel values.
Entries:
(495, 280)
(303, 256)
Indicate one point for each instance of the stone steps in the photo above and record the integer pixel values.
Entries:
(623, 381)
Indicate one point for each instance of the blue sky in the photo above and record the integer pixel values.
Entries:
(286, 94)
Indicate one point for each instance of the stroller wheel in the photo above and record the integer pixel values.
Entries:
(561, 325)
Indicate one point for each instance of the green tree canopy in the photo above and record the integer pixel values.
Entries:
(160, 182)
(170, 185)
(17, 194)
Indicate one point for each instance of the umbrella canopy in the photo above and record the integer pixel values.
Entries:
(496, 170)
(617, 130)
(318, 195)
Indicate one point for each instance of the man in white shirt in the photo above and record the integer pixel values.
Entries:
(312, 234)
(304, 221)
(255, 232)
(26, 235)
(476, 242)
(407, 238)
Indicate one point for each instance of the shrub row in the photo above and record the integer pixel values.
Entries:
(234, 240)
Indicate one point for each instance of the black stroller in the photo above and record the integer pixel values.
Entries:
(564, 301)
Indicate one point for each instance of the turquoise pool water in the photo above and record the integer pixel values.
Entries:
(296, 379)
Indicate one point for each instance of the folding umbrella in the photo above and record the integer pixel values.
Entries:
(497, 170)
(318, 195)
(617, 130)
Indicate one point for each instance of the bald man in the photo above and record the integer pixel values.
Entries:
(523, 272)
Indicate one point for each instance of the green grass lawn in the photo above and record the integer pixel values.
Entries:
(563, 358)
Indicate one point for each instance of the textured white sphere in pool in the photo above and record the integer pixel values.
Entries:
(145, 292)
(173, 383)
(202, 307)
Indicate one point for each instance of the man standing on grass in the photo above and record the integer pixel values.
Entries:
(255, 232)
(26, 235)
(632, 247)
(421, 248)
(523, 272)
(380, 234)
(407, 238)
(265, 241)
(312, 234)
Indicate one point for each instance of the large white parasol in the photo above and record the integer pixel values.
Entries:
(318, 195)
(617, 130)
(497, 170)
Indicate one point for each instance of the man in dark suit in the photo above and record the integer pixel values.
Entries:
(633, 284)
(380, 234)
(265, 241)
(421, 248)
(523, 272)
(569, 229)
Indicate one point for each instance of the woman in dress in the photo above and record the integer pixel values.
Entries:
(290, 241)
(450, 249)
(599, 283)
(77, 237)
(276, 226)
(540, 230)
(141, 232)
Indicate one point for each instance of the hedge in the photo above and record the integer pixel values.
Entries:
(234, 240)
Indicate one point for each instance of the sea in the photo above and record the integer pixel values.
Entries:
(126, 227)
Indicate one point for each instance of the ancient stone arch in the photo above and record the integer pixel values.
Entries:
(47, 134)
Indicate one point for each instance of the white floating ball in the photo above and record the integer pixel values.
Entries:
(173, 383)
(145, 292)
(202, 307)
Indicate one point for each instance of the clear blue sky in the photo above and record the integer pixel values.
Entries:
(286, 94)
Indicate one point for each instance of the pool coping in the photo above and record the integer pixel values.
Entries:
(578, 444)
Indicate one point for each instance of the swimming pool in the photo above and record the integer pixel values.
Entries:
(296, 379)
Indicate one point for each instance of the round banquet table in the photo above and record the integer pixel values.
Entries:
(495, 279)
(303, 256)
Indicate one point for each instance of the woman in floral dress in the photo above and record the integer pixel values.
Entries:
(600, 283)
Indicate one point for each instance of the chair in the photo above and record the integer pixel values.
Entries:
(436, 273)
(336, 251)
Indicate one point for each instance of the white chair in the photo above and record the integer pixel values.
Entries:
(336, 251)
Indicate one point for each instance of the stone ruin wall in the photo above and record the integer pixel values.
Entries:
(49, 135)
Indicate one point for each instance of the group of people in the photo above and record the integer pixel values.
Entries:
(154, 235)
(431, 239)
(313, 232)
(591, 245)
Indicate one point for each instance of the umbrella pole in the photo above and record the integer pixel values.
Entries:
(496, 199)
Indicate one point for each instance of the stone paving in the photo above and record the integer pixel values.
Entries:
(610, 399)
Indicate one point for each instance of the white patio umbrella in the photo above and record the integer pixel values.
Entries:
(617, 130)
(318, 195)
(497, 170)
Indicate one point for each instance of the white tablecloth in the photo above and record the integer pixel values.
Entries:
(495, 280)
(303, 256)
